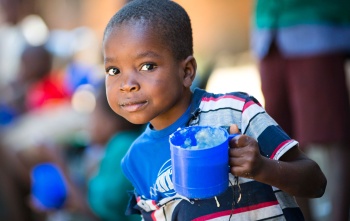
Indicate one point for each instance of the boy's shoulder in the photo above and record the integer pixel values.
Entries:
(204, 93)
(200, 94)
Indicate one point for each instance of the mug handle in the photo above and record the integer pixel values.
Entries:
(231, 136)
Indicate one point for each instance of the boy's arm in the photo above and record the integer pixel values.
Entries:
(294, 172)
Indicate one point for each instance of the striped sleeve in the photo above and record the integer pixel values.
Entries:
(273, 141)
(245, 111)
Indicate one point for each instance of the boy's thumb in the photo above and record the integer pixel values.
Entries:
(234, 129)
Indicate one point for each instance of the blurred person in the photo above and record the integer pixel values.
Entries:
(302, 47)
(37, 85)
(12, 39)
(46, 86)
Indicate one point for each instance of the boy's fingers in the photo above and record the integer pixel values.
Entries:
(234, 129)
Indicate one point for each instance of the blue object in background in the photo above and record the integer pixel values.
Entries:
(81, 74)
(7, 114)
(49, 189)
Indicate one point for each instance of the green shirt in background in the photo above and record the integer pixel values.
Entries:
(283, 13)
(108, 189)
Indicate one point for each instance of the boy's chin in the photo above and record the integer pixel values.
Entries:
(136, 121)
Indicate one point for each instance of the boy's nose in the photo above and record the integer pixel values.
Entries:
(129, 83)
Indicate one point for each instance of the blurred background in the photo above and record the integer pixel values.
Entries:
(51, 72)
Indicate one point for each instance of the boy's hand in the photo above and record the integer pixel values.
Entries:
(244, 155)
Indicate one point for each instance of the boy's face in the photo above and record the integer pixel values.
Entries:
(144, 82)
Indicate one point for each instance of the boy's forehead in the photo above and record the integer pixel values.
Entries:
(137, 35)
(137, 29)
(140, 25)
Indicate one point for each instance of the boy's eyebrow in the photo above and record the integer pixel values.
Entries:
(147, 54)
(107, 59)
(139, 55)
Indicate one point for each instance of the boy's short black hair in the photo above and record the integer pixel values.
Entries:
(164, 17)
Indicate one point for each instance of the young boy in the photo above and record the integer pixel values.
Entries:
(148, 56)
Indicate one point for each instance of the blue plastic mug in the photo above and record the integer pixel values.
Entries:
(48, 189)
(200, 172)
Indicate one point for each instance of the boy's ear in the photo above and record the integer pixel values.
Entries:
(190, 69)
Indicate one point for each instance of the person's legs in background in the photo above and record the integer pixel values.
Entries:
(322, 116)
(275, 88)
(314, 91)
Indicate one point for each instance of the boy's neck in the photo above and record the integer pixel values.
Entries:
(163, 121)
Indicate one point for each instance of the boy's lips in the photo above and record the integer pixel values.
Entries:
(133, 106)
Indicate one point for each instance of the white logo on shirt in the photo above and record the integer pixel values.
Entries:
(163, 184)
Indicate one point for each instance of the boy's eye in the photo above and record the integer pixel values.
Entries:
(112, 71)
(148, 67)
